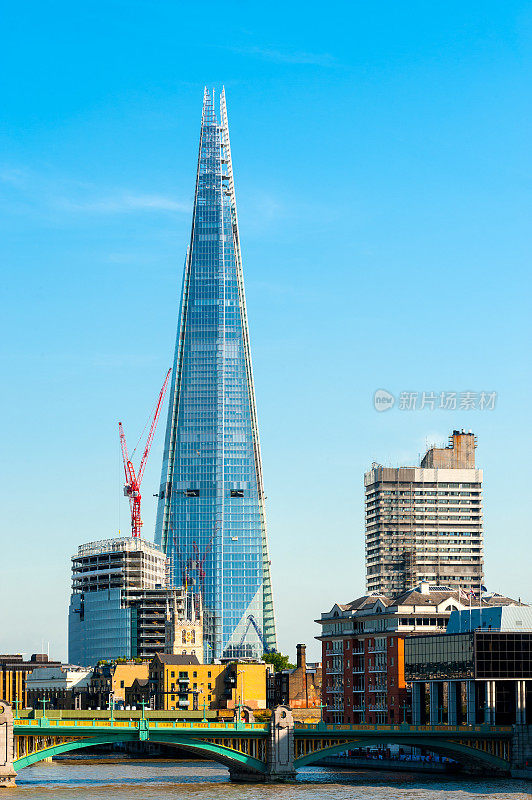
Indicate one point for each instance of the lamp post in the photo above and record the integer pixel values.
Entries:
(111, 706)
(241, 695)
(201, 691)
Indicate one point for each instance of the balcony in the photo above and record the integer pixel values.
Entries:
(377, 669)
(358, 670)
(358, 651)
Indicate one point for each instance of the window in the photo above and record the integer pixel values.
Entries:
(194, 674)
(209, 674)
(237, 493)
(183, 637)
(121, 684)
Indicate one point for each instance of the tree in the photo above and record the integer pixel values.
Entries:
(278, 660)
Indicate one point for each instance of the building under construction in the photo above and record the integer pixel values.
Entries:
(425, 523)
(121, 605)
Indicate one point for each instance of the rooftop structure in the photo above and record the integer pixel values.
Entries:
(425, 523)
(211, 518)
(118, 564)
(493, 617)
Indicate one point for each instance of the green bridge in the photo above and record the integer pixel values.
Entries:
(253, 751)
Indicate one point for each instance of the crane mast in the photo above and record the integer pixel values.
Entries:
(134, 479)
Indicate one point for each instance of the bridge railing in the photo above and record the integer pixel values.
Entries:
(323, 727)
(97, 722)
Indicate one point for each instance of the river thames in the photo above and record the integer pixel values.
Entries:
(86, 779)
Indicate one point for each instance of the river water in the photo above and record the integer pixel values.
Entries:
(136, 779)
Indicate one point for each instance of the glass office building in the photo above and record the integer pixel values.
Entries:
(210, 517)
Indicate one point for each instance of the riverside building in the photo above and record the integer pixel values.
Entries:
(363, 649)
(210, 518)
(425, 523)
(479, 671)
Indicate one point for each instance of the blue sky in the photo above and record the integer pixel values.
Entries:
(383, 173)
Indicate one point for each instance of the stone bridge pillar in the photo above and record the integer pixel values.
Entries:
(521, 751)
(279, 751)
(281, 745)
(7, 746)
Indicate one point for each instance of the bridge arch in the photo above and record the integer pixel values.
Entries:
(210, 750)
(465, 754)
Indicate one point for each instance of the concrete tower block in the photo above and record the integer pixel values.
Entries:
(7, 746)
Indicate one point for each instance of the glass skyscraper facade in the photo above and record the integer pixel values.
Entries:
(210, 516)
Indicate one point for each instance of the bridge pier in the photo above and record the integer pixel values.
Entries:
(522, 751)
(279, 752)
(7, 746)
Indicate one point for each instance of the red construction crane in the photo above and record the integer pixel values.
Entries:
(134, 480)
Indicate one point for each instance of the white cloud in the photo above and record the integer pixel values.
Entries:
(65, 194)
(123, 203)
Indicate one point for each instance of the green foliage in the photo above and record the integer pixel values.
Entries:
(278, 660)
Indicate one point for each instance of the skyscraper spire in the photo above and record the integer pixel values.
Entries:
(210, 516)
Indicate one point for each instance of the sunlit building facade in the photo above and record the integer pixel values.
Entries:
(210, 518)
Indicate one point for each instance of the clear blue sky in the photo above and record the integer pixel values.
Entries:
(383, 175)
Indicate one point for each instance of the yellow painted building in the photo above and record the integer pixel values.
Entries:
(124, 675)
(183, 685)
(13, 673)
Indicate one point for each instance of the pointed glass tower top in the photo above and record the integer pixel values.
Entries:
(210, 517)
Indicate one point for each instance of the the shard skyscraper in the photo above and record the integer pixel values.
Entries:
(210, 516)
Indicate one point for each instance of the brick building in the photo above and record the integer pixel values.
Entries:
(299, 687)
(363, 650)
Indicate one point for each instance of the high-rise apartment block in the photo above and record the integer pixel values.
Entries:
(210, 517)
(119, 604)
(425, 523)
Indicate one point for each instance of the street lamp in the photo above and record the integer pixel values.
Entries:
(241, 695)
